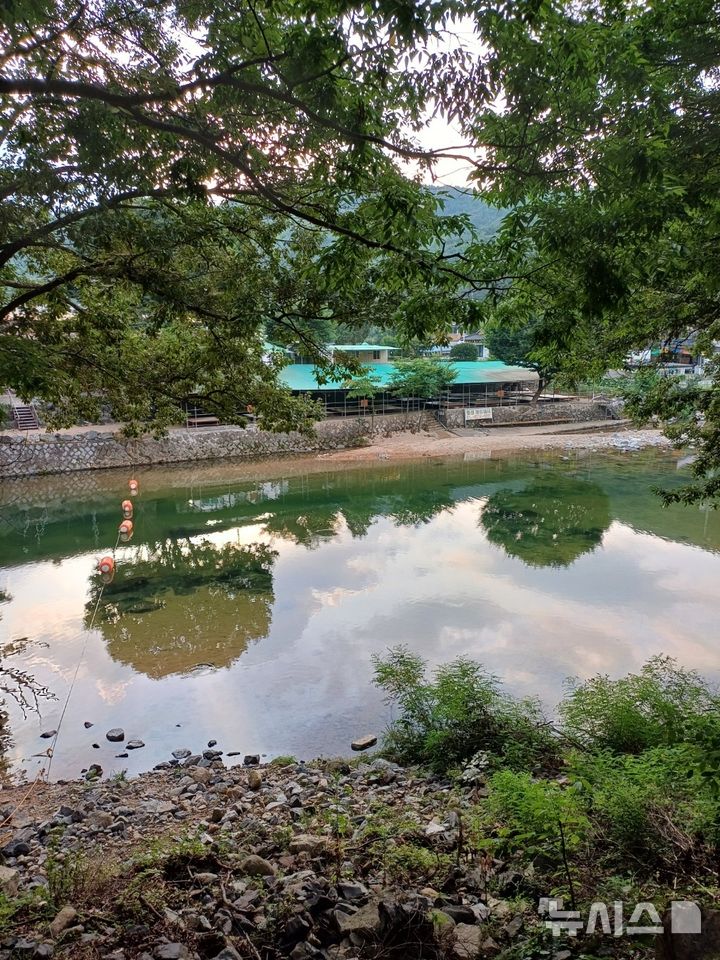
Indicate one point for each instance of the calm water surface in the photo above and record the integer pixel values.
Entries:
(252, 598)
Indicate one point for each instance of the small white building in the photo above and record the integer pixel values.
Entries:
(364, 352)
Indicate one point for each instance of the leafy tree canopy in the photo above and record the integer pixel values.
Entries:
(179, 177)
(520, 345)
(424, 378)
(606, 152)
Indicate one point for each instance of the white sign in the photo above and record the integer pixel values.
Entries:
(478, 413)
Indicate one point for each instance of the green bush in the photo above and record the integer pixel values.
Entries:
(644, 809)
(537, 816)
(661, 705)
(460, 711)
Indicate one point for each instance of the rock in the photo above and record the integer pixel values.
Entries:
(182, 753)
(121, 756)
(228, 953)
(467, 941)
(43, 951)
(460, 912)
(308, 843)
(48, 734)
(94, 772)
(134, 744)
(251, 759)
(254, 780)
(9, 881)
(364, 743)
(513, 927)
(116, 735)
(352, 891)
(254, 866)
(100, 819)
(363, 923)
(87, 724)
(18, 847)
(171, 951)
(704, 945)
(489, 947)
(200, 774)
(64, 919)
(212, 743)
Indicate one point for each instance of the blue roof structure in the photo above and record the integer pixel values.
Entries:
(301, 376)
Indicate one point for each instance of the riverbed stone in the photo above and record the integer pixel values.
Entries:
(116, 735)
(255, 866)
(9, 881)
(468, 940)
(364, 743)
(64, 919)
(134, 744)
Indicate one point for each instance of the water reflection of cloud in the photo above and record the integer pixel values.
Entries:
(112, 693)
(305, 688)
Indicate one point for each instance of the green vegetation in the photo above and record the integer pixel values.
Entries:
(621, 791)
(520, 345)
(460, 711)
(423, 378)
(463, 351)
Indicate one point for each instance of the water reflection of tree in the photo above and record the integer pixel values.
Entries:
(318, 526)
(185, 605)
(310, 529)
(548, 524)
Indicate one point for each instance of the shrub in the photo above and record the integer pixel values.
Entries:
(537, 816)
(460, 711)
(661, 705)
(643, 809)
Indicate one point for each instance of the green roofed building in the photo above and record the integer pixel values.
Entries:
(480, 382)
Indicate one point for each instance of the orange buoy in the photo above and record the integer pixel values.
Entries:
(106, 569)
(134, 487)
(127, 509)
(125, 530)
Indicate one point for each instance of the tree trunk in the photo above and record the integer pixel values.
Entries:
(542, 382)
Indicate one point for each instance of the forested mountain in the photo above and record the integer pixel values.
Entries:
(460, 201)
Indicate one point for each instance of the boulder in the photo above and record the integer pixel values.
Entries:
(308, 843)
(468, 940)
(116, 735)
(704, 945)
(64, 919)
(9, 881)
(254, 866)
(363, 923)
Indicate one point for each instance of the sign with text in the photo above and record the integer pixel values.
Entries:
(478, 413)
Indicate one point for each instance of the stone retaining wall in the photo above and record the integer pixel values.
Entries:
(93, 450)
(575, 411)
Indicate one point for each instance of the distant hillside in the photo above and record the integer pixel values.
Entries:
(458, 201)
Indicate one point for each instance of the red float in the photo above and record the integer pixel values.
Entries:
(106, 569)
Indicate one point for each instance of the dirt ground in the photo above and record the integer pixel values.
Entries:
(498, 441)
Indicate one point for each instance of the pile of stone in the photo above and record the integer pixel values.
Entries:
(293, 861)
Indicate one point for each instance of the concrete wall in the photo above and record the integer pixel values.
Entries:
(575, 411)
(95, 450)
